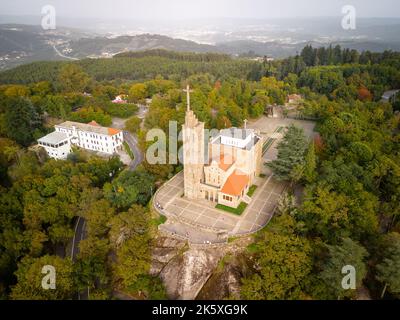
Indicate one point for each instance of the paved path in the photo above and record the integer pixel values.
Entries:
(143, 109)
(80, 234)
(78, 237)
(132, 142)
(133, 145)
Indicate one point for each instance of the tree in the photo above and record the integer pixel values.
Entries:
(42, 89)
(362, 153)
(12, 244)
(258, 106)
(133, 124)
(72, 78)
(9, 151)
(129, 188)
(97, 216)
(87, 114)
(90, 268)
(333, 215)
(56, 106)
(289, 165)
(29, 279)
(349, 253)
(15, 91)
(282, 260)
(310, 166)
(138, 92)
(364, 94)
(287, 205)
(128, 224)
(222, 121)
(26, 163)
(151, 287)
(21, 120)
(388, 270)
(130, 237)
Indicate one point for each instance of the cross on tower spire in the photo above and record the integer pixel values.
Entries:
(245, 123)
(188, 91)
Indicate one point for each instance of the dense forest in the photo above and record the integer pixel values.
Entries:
(349, 175)
(136, 66)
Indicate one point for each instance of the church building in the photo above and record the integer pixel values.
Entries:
(222, 169)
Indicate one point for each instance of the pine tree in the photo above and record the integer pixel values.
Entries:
(21, 120)
(349, 253)
(289, 166)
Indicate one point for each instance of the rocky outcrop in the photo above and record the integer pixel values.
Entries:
(225, 281)
(183, 271)
(187, 271)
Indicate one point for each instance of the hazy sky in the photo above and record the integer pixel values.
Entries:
(191, 9)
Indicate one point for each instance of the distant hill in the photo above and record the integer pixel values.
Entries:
(102, 46)
(138, 66)
(180, 56)
(277, 49)
(21, 44)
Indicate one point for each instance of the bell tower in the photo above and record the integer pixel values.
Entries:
(193, 152)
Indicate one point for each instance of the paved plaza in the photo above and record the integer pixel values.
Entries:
(200, 222)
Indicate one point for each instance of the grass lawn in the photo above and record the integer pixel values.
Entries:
(238, 211)
(128, 150)
(252, 189)
(158, 221)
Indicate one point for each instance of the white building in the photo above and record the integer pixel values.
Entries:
(235, 137)
(120, 99)
(56, 144)
(89, 136)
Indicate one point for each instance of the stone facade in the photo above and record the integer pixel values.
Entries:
(223, 171)
(193, 154)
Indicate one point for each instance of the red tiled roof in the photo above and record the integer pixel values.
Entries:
(94, 123)
(225, 162)
(235, 183)
(112, 131)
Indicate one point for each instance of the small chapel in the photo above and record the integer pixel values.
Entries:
(222, 168)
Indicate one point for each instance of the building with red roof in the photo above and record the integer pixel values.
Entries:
(90, 136)
(225, 168)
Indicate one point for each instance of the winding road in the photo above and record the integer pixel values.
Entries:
(78, 237)
(80, 225)
(131, 140)
(62, 55)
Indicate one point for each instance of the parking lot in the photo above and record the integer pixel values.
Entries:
(199, 213)
(202, 213)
